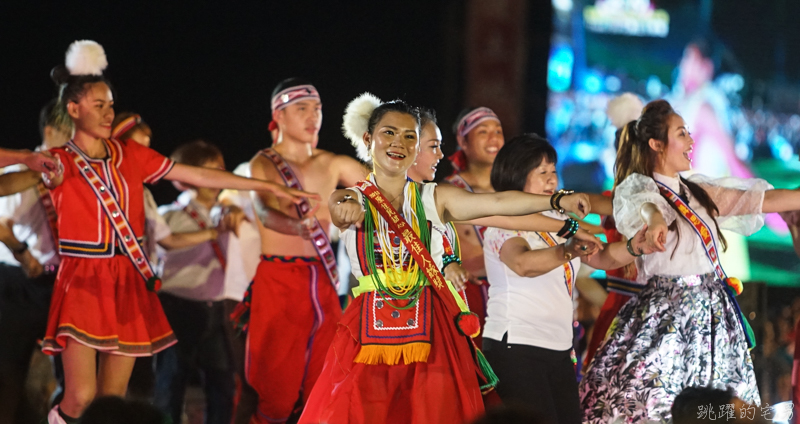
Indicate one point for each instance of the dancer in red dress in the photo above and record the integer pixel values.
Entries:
(104, 299)
(398, 356)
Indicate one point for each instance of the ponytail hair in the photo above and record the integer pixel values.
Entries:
(634, 155)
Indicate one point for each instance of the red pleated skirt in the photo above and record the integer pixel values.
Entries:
(103, 303)
(443, 390)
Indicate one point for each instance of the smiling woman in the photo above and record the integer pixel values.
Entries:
(401, 352)
(103, 298)
(688, 304)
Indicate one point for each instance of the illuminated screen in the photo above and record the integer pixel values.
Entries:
(745, 122)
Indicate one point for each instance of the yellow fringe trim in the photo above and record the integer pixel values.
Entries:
(391, 354)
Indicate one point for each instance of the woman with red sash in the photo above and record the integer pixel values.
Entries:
(104, 297)
(685, 327)
(400, 354)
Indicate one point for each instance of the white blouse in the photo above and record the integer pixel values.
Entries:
(533, 311)
(739, 201)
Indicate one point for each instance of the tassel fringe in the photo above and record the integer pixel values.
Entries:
(391, 354)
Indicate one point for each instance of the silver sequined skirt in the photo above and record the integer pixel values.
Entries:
(678, 332)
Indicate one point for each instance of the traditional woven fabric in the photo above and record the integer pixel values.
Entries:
(443, 390)
(103, 304)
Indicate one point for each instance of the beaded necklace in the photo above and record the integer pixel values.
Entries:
(400, 284)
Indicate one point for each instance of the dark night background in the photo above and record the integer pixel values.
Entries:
(206, 70)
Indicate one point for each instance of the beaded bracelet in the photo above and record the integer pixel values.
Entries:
(569, 229)
(449, 259)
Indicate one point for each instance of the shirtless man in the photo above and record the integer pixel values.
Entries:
(480, 136)
(295, 307)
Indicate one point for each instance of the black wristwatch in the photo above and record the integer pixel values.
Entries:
(21, 249)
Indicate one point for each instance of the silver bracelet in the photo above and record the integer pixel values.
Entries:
(344, 199)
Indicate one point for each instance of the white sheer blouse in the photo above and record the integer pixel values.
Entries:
(739, 201)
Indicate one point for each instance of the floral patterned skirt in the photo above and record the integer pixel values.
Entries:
(680, 331)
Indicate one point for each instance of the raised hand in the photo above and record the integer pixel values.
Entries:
(639, 243)
(347, 212)
(577, 203)
(43, 162)
(655, 237)
(459, 276)
(578, 247)
(588, 239)
(232, 216)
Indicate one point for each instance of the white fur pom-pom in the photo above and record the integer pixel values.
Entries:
(623, 109)
(86, 57)
(356, 119)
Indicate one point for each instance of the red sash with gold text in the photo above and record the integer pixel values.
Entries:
(466, 322)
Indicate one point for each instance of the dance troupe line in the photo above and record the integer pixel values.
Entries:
(463, 288)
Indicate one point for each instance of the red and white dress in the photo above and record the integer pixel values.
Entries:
(99, 298)
(442, 389)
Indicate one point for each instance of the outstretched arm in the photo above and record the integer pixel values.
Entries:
(616, 255)
(36, 161)
(215, 178)
(267, 207)
(656, 234)
(183, 240)
(345, 209)
(455, 204)
(14, 182)
(535, 222)
(350, 170)
(517, 254)
(781, 200)
(601, 205)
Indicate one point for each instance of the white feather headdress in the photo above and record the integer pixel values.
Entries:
(623, 109)
(86, 57)
(356, 119)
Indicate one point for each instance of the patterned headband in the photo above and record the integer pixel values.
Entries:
(473, 119)
(125, 125)
(293, 95)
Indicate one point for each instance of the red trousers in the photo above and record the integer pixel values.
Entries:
(443, 390)
(293, 316)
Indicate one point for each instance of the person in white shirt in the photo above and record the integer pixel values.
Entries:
(192, 296)
(28, 264)
(685, 327)
(130, 127)
(528, 334)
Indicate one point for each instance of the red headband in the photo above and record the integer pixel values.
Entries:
(292, 95)
(126, 125)
(473, 119)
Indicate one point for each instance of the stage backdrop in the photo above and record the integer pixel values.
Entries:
(729, 68)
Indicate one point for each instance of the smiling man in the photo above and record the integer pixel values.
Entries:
(480, 136)
(295, 306)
